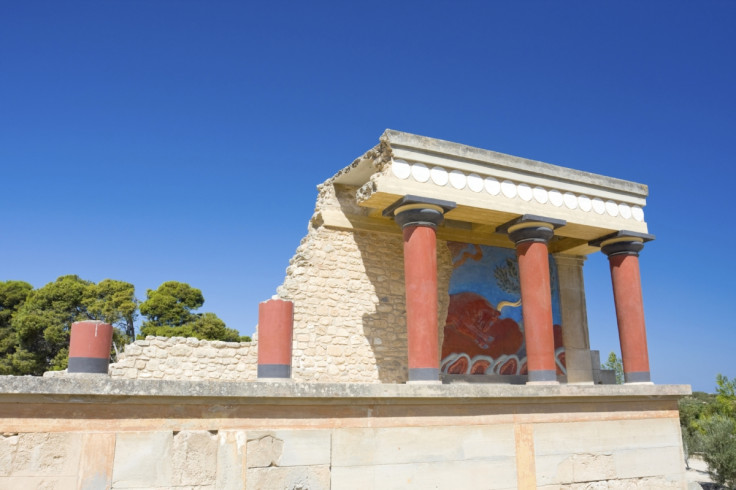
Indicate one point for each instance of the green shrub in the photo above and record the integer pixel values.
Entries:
(719, 443)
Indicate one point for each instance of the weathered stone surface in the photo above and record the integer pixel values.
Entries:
(478, 474)
(194, 459)
(46, 454)
(364, 447)
(231, 465)
(292, 478)
(263, 450)
(95, 468)
(143, 460)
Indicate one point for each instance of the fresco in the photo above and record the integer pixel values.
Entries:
(484, 331)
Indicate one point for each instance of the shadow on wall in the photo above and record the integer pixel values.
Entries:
(383, 258)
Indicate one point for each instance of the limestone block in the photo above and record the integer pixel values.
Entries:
(649, 462)
(263, 450)
(288, 448)
(39, 483)
(47, 454)
(365, 446)
(143, 460)
(95, 468)
(194, 459)
(468, 475)
(8, 447)
(292, 477)
(231, 460)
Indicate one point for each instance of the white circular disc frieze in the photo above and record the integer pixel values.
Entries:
(599, 206)
(401, 169)
(475, 182)
(624, 210)
(420, 172)
(525, 192)
(493, 187)
(508, 188)
(540, 195)
(571, 200)
(439, 175)
(584, 203)
(637, 213)
(612, 208)
(458, 179)
(555, 197)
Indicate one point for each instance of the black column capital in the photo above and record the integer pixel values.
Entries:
(531, 228)
(418, 211)
(622, 242)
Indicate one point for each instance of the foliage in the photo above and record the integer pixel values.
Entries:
(12, 296)
(708, 424)
(169, 312)
(614, 363)
(37, 338)
(719, 441)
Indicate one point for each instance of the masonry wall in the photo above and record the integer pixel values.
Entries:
(101, 433)
(187, 359)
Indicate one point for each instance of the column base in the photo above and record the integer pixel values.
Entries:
(424, 374)
(428, 382)
(637, 377)
(543, 376)
(279, 371)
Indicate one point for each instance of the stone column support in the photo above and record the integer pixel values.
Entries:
(575, 336)
(275, 331)
(419, 218)
(623, 250)
(89, 347)
(531, 234)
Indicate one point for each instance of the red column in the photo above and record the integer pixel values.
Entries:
(275, 327)
(623, 257)
(420, 275)
(419, 218)
(536, 298)
(89, 347)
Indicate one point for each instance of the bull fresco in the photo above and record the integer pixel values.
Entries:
(484, 330)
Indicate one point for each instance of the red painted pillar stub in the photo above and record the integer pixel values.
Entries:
(89, 347)
(623, 258)
(275, 328)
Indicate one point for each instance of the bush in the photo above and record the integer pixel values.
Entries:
(719, 441)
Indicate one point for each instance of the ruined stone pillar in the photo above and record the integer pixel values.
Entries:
(419, 219)
(275, 328)
(623, 250)
(531, 234)
(89, 347)
(575, 336)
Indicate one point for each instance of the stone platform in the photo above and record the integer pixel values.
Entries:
(96, 432)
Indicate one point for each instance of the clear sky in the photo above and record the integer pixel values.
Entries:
(155, 140)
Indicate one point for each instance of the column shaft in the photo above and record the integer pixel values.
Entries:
(536, 302)
(420, 273)
(630, 316)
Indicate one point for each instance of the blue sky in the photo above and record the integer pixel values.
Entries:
(157, 140)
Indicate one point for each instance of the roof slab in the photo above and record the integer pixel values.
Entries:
(490, 189)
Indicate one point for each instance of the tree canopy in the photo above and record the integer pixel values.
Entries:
(169, 312)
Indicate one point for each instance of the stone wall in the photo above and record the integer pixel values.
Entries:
(187, 359)
(89, 433)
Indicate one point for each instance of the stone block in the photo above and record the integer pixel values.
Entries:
(39, 483)
(231, 460)
(468, 475)
(291, 477)
(143, 460)
(47, 454)
(363, 447)
(194, 459)
(8, 447)
(288, 448)
(95, 467)
(647, 462)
